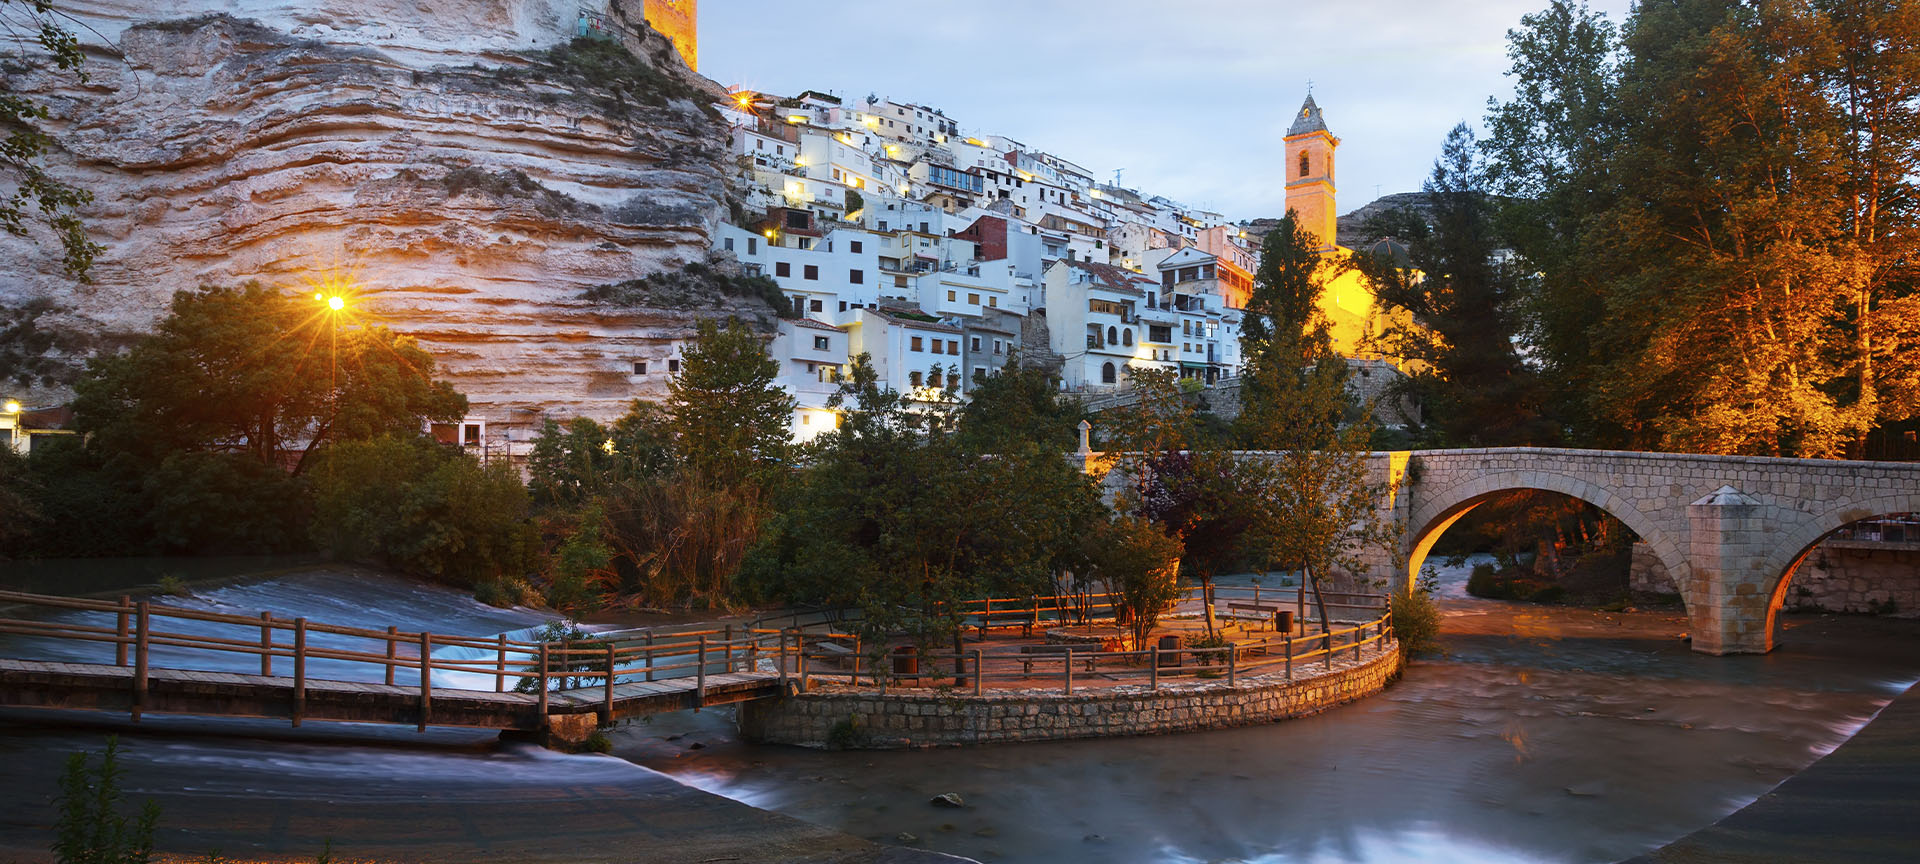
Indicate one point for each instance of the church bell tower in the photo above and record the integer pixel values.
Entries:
(1309, 167)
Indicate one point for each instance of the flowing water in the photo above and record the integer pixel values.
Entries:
(1544, 735)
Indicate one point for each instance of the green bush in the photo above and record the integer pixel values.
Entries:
(1416, 619)
(1548, 594)
(422, 508)
(1481, 583)
(845, 733)
(90, 828)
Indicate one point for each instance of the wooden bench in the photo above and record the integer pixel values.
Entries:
(1267, 612)
(984, 621)
(1031, 650)
(838, 654)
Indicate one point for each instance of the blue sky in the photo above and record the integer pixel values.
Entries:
(1190, 97)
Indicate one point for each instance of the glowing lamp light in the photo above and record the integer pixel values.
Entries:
(12, 407)
(770, 233)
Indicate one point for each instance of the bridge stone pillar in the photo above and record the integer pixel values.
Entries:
(1729, 587)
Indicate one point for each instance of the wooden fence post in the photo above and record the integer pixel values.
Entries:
(1327, 639)
(1232, 653)
(649, 655)
(700, 679)
(120, 631)
(299, 669)
(140, 660)
(266, 644)
(393, 638)
(426, 678)
(1153, 671)
(783, 662)
(543, 681)
(978, 672)
(800, 659)
(1289, 644)
(606, 707)
(1358, 631)
(1069, 687)
(500, 667)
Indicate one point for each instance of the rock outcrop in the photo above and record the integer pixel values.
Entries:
(469, 166)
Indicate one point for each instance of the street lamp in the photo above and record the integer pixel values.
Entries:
(12, 407)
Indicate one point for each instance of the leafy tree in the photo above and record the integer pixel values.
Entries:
(1018, 406)
(729, 418)
(17, 500)
(571, 464)
(424, 509)
(1310, 503)
(1550, 159)
(1182, 482)
(1141, 566)
(895, 517)
(1468, 375)
(1723, 240)
(210, 503)
(23, 151)
(254, 370)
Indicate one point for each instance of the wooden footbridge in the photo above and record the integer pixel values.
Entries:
(146, 658)
(148, 655)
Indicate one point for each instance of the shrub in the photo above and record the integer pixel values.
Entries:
(1416, 620)
(1480, 583)
(1201, 641)
(422, 508)
(845, 733)
(90, 829)
(1548, 594)
(506, 591)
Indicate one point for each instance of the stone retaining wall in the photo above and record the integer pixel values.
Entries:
(869, 720)
(1846, 576)
(1838, 576)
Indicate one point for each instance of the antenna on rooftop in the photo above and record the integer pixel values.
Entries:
(1116, 177)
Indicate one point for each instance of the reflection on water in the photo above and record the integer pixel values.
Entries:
(1546, 735)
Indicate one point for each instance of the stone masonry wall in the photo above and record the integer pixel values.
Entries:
(1645, 573)
(922, 719)
(1843, 576)
(1840, 576)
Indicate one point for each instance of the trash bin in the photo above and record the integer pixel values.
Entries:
(906, 661)
(1169, 651)
(1283, 620)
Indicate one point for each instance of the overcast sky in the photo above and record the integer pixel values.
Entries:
(1190, 97)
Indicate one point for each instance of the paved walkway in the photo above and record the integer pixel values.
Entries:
(1860, 803)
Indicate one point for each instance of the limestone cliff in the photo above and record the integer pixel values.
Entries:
(468, 163)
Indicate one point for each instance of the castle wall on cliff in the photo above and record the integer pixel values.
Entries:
(470, 172)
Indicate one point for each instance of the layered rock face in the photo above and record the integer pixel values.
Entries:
(465, 164)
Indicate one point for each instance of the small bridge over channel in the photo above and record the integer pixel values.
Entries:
(314, 671)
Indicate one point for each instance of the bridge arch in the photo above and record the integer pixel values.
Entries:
(1436, 511)
(1787, 555)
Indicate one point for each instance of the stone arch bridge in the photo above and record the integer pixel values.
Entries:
(1729, 529)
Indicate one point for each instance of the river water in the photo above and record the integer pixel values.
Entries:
(1544, 735)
